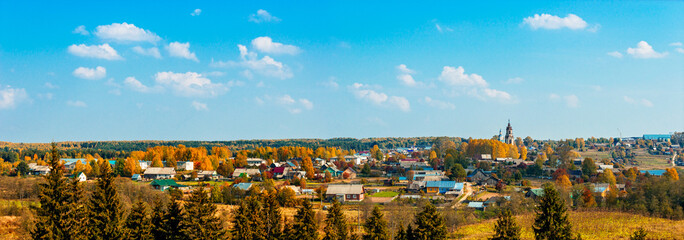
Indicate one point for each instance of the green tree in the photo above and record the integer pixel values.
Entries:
(173, 221)
(23, 168)
(51, 215)
(401, 233)
(336, 227)
(376, 226)
(105, 209)
(138, 224)
(272, 216)
(247, 220)
(551, 221)
(304, 226)
(588, 167)
(158, 221)
(457, 172)
(77, 213)
(366, 169)
(200, 221)
(506, 228)
(429, 224)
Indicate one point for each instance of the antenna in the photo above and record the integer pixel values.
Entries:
(620, 133)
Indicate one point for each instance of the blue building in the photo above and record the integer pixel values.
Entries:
(657, 137)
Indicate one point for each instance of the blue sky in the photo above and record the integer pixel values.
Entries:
(153, 70)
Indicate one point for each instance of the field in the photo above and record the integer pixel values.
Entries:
(592, 225)
(385, 194)
(646, 160)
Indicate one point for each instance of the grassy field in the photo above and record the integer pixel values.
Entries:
(592, 225)
(385, 194)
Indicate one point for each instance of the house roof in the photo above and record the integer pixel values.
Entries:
(345, 189)
(160, 171)
(243, 186)
(441, 184)
(278, 170)
(166, 182)
(537, 191)
(476, 204)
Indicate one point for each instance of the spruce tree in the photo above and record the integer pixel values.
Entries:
(51, 215)
(247, 220)
(376, 226)
(104, 208)
(429, 224)
(336, 227)
(158, 221)
(77, 213)
(200, 222)
(506, 228)
(138, 225)
(410, 233)
(551, 221)
(401, 233)
(304, 226)
(272, 216)
(173, 221)
(638, 235)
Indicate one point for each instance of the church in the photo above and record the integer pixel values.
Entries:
(508, 138)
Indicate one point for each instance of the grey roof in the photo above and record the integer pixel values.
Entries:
(345, 189)
(160, 171)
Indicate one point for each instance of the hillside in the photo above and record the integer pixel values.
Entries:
(592, 225)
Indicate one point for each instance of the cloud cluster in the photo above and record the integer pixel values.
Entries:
(266, 45)
(265, 66)
(81, 30)
(10, 97)
(103, 51)
(473, 84)
(405, 76)
(90, 73)
(199, 106)
(572, 101)
(189, 84)
(362, 91)
(548, 21)
(287, 102)
(153, 51)
(181, 50)
(644, 50)
(639, 102)
(196, 12)
(439, 104)
(263, 16)
(124, 32)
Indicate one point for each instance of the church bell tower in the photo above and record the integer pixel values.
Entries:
(509, 133)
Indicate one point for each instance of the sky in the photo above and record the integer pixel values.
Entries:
(227, 70)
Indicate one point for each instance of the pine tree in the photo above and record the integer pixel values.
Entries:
(173, 221)
(376, 226)
(552, 221)
(138, 224)
(51, 215)
(410, 233)
(247, 220)
(272, 216)
(429, 224)
(506, 228)
(77, 215)
(158, 221)
(401, 233)
(200, 222)
(336, 227)
(304, 226)
(105, 210)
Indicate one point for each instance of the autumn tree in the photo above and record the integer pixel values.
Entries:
(272, 215)
(506, 228)
(336, 227)
(173, 220)
(158, 221)
(551, 221)
(588, 167)
(588, 198)
(430, 224)
(247, 220)
(200, 221)
(671, 173)
(307, 165)
(563, 182)
(77, 212)
(376, 226)
(105, 209)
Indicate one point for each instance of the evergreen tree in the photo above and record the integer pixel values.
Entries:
(410, 233)
(304, 226)
(51, 215)
(158, 221)
(429, 224)
(172, 221)
(552, 221)
(336, 227)
(273, 217)
(77, 213)
(200, 221)
(138, 224)
(376, 226)
(506, 228)
(638, 235)
(247, 222)
(105, 210)
(401, 233)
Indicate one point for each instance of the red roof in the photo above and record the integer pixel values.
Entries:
(278, 170)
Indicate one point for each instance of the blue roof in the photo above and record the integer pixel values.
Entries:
(112, 162)
(657, 136)
(73, 160)
(402, 178)
(441, 184)
(476, 204)
(243, 186)
(458, 186)
(600, 189)
(654, 172)
(428, 168)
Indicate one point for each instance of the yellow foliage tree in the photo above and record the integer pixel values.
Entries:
(523, 152)
(672, 174)
(563, 182)
(131, 167)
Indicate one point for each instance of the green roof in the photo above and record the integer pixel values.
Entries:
(166, 182)
(537, 191)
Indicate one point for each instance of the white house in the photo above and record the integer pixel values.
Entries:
(81, 177)
(159, 173)
(185, 166)
(255, 161)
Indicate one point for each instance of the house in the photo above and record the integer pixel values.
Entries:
(416, 186)
(255, 162)
(243, 186)
(296, 189)
(202, 174)
(496, 201)
(70, 163)
(331, 169)
(185, 166)
(412, 164)
(422, 175)
(477, 205)
(535, 193)
(477, 176)
(246, 172)
(280, 172)
(486, 156)
(349, 173)
(356, 159)
(81, 177)
(345, 192)
(442, 187)
(159, 173)
(144, 164)
(163, 184)
(35, 169)
(136, 177)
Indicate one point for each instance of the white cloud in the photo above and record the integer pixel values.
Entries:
(103, 51)
(404, 69)
(290, 104)
(181, 50)
(643, 102)
(496, 94)
(265, 66)
(676, 44)
(407, 80)
(47, 96)
(81, 30)
(457, 77)
(199, 106)
(10, 97)
(331, 83)
(308, 105)
(137, 86)
(197, 12)
(124, 32)
(644, 50)
(76, 103)
(515, 80)
(548, 21)
(615, 54)
(266, 45)
(439, 104)
(263, 16)
(571, 101)
(50, 85)
(363, 92)
(153, 51)
(680, 50)
(443, 29)
(554, 96)
(189, 84)
(90, 73)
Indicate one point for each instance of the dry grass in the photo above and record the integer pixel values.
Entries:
(592, 225)
(9, 227)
